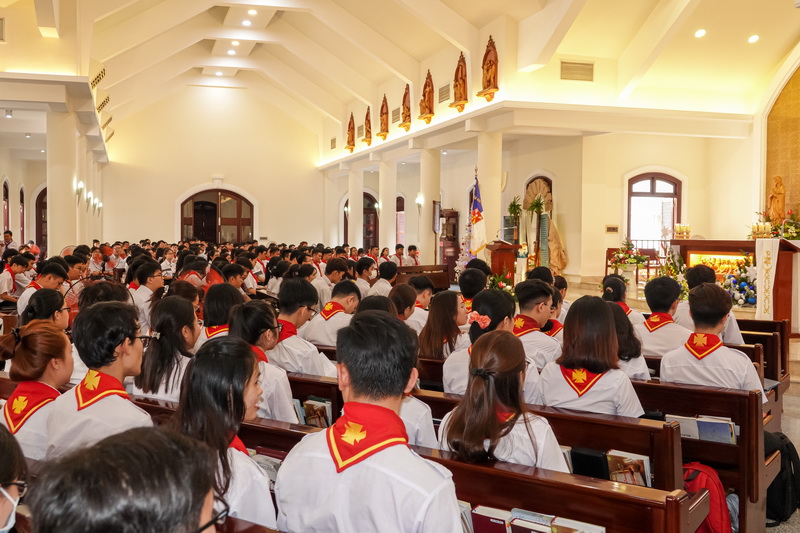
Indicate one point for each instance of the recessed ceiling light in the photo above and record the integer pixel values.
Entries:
(42, 151)
(753, 39)
(246, 22)
(252, 12)
(234, 43)
(27, 135)
(700, 33)
(231, 52)
(402, 162)
(218, 73)
(444, 152)
(9, 113)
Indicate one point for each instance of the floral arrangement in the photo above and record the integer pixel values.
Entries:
(742, 285)
(628, 254)
(675, 267)
(788, 228)
(502, 282)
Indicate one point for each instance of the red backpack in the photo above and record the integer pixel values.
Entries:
(698, 476)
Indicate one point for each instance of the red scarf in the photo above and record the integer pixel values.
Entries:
(289, 330)
(553, 331)
(260, 355)
(133, 286)
(658, 320)
(418, 305)
(399, 259)
(624, 307)
(702, 344)
(34, 285)
(330, 309)
(580, 379)
(28, 397)
(362, 431)
(96, 386)
(524, 324)
(414, 258)
(238, 445)
(213, 331)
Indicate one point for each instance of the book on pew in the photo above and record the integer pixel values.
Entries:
(626, 467)
(588, 462)
(490, 520)
(688, 426)
(299, 410)
(518, 525)
(716, 429)
(567, 452)
(565, 525)
(466, 516)
(270, 466)
(523, 521)
(318, 412)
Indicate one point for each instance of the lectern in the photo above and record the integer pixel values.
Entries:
(503, 257)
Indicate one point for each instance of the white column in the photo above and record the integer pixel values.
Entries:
(429, 178)
(355, 227)
(387, 196)
(490, 167)
(62, 145)
(83, 213)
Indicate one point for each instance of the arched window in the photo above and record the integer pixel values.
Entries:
(41, 221)
(654, 207)
(370, 221)
(21, 215)
(5, 207)
(217, 216)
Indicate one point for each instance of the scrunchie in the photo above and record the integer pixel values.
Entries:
(482, 320)
(481, 373)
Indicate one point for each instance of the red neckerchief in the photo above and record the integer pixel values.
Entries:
(213, 331)
(373, 258)
(330, 309)
(580, 379)
(34, 285)
(238, 445)
(263, 266)
(702, 344)
(504, 416)
(399, 259)
(524, 324)
(253, 276)
(289, 330)
(624, 307)
(553, 331)
(468, 304)
(96, 386)
(362, 431)
(658, 320)
(418, 305)
(13, 276)
(28, 397)
(260, 355)
(133, 286)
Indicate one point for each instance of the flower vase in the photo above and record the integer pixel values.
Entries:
(629, 273)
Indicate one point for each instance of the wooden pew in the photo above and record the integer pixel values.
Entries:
(430, 373)
(327, 351)
(783, 329)
(437, 273)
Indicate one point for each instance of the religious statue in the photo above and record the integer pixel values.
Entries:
(351, 134)
(489, 66)
(776, 203)
(426, 103)
(367, 129)
(406, 121)
(542, 226)
(384, 119)
(460, 97)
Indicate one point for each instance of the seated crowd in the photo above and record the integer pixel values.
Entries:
(219, 338)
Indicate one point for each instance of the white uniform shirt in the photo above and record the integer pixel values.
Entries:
(392, 491)
(274, 286)
(23, 279)
(141, 299)
(635, 368)
(462, 343)
(24, 298)
(168, 268)
(540, 349)
(294, 354)
(380, 288)
(249, 283)
(276, 396)
(363, 287)
(7, 285)
(516, 445)
(32, 436)
(248, 493)
(203, 337)
(724, 367)
(417, 417)
(418, 319)
(564, 310)
(171, 391)
(398, 260)
(661, 340)
(323, 332)
(730, 333)
(612, 394)
(324, 289)
(455, 375)
(68, 428)
(79, 368)
(259, 268)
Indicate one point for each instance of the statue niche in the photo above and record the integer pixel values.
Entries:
(351, 134)
(460, 94)
(489, 66)
(406, 120)
(384, 119)
(426, 103)
(367, 128)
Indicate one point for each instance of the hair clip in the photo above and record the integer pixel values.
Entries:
(15, 332)
(155, 335)
(481, 373)
(482, 320)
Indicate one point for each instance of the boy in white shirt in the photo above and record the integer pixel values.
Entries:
(51, 277)
(8, 290)
(695, 276)
(365, 271)
(424, 289)
(149, 277)
(659, 333)
(413, 256)
(335, 315)
(360, 472)
(388, 273)
(335, 269)
(398, 258)
(535, 301)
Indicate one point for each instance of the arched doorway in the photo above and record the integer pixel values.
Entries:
(217, 216)
(41, 220)
(370, 221)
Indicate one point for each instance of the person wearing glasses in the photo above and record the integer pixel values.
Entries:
(535, 299)
(296, 302)
(175, 330)
(336, 314)
(255, 322)
(46, 304)
(144, 479)
(41, 357)
(13, 471)
(109, 343)
(150, 279)
(220, 391)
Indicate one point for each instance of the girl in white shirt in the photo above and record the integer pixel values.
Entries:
(629, 350)
(442, 333)
(492, 421)
(174, 331)
(615, 290)
(220, 391)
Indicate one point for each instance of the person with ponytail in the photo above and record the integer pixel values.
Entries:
(219, 301)
(587, 376)
(492, 421)
(614, 290)
(41, 357)
(278, 270)
(256, 323)
(220, 390)
(442, 333)
(492, 309)
(174, 331)
(629, 347)
(46, 304)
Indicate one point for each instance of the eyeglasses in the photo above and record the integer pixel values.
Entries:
(22, 487)
(199, 322)
(279, 327)
(64, 309)
(219, 518)
(312, 311)
(145, 340)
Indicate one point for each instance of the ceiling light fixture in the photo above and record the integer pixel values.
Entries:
(246, 22)
(231, 52)
(234, 43)
(218, 73)
(700, 33)
(9, 113)
(27, 135)
(252, 12)
(444, 152)
(43, 151)
(753, 39)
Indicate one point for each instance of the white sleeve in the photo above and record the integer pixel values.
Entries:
(731, 333)
(751, 379)
(626, 401)
(440, 512)
(531, 385)
(277, 395)
(248, 494)
(548, 451)
(325, 367)
(425, 434)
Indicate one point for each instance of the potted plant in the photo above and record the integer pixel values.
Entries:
(514, 213)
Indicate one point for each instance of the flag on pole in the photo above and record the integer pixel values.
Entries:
(478, 238)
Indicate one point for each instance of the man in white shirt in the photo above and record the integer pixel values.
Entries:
(335, 269)
(703, 360)
(109, 343)
(398, 258)
(149, 278)
(413, 256)
(659, 333)
(335, 315)
(387, 272)
(8, 241)
(535, 305)
(8, 289)
(51, 277)
(359, 474)
(366, 269)
(260, 264)
(695, 276)
(423, 286)
(296, 301)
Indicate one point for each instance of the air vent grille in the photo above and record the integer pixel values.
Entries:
(360, 131)
(333, 143)
(577, 71)
(103, 104)
(110, 135)
(395, 115)
(2, 30)
(444, 93)
(107, 122)
(97, 79)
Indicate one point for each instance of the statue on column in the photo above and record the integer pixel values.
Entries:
(776, 203)
(426, 103)
(460, 98)
(384, 119)
(406, 120)
(367, 128)
(351, 134)
(489, 66)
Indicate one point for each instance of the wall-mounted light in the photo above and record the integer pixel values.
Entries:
(347, 209)
(420, 200)
(79, 188)
(9, 113)
(378, 207)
